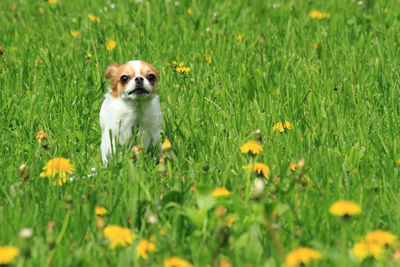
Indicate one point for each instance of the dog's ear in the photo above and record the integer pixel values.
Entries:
(111, 71)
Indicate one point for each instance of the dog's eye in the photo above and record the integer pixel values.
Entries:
(151, 77)
(124, 79)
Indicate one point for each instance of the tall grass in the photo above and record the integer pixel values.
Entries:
(342, 98)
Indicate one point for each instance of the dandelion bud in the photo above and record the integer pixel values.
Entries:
(215, 18)
(258, 136)
(152, 219)
(293, 166)
(258, 188)
(161, 166)
(166, 145)
(277, 178)
(50, 227)
(305, 181)
(301, 163)
(23, 172)
(134, 154)
(163, 232)
(25, 233)
(396, 255)
(50, 235)
(224, 263)
(100, 222)
(220, 211)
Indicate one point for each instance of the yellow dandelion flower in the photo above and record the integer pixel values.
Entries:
(176, 262)
(224, 263)
(381, 238)
(88, 56)
(345, 208)
(93, 18)
(229, 221)
(293, 166)
(374, 244)
(376, 250)
(259, 168)
(111, 45)
(282, 127)
(181, 64)
(173, 63)
(364, 249)
(208, 59)
(302, 256)
(220, 191)
(398, 161)
(361, 250)
(189, 11)
(166, 145)
(118, 236)
(74, 33)
(41, 135)
(287, 125)
(100, 210)
(145, 246)
(278, 126)
(1, 49)
(305, 181)
(8, 254)
(319, 15)
(52, 1)
(251, 147)
(315, 46)
(58, 167)
(183, 70)
(240, 37)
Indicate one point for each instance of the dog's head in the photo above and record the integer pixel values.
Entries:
(132, 80)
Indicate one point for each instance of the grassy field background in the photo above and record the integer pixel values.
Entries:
(336, 80)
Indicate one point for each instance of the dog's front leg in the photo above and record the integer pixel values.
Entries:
(107, 144)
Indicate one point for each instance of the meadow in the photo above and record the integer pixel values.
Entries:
(230, 73)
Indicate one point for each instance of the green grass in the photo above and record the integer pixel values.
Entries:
(349, 137)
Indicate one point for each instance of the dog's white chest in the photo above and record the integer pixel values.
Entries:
(120, 117)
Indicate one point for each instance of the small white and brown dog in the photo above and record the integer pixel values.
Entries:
(131, 105)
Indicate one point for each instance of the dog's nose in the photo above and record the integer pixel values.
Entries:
(139, 79)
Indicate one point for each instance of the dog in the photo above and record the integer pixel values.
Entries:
(131, 105)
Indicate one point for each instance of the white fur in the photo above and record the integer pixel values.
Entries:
(121, 115)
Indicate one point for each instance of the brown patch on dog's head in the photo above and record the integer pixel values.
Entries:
(117, 74)
(111, 71)
(114, 73)
(147, 70)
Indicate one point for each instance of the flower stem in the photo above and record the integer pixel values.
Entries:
(169, 169)
(275, 239)
(248, 180)
(59, 238)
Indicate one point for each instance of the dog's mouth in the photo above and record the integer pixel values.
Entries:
(139, 91)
